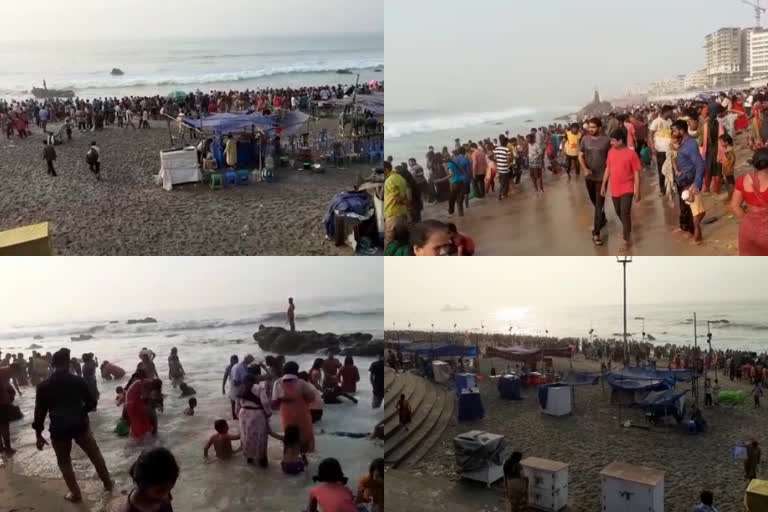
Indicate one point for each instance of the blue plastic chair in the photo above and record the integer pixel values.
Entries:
(230, 178)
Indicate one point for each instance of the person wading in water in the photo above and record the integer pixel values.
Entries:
(68, 400)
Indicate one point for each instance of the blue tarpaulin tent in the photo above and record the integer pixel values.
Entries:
(232, 122)
(647, 373)
(582, 379)
(619, 381)
(438, 350)
(665, 398)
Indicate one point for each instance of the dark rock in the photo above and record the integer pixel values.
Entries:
(651, 338)
(82, 337)
(33, 347)
(37, 337)
(116, 72)
(37, 92)
(114, 321)
(147, 320)
(281, 341)
(597, 108)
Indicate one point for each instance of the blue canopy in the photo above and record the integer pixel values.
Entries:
(582, 379)
(438, 350)
(232, 122)
(633, 384)
(665, 398)
(647, 373)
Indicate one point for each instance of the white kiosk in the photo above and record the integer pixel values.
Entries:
(630, 488)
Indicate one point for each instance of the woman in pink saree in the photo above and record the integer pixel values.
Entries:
(293, 396)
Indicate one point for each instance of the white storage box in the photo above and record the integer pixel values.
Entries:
(179, 166)
(442, 371)
(483, 445)
(559, 401)
(547, 483)
(630, 488)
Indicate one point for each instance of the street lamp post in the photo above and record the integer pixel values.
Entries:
(624, 260)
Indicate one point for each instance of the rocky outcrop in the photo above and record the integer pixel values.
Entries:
(34, 347)
(597, 108)
(116, 72)
(37, 337)
(147, 320)
(82, 337)
(281, 341)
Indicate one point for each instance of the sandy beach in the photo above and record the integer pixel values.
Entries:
(589, 440)
(127, 213)
(560, 222)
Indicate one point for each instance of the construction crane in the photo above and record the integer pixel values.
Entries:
(759, 10)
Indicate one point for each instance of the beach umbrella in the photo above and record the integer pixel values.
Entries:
(177, 95)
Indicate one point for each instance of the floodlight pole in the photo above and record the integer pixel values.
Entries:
(695, 374)
(624, 260)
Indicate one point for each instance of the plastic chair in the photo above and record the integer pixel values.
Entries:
(242, 177)
(230, 178)
(216, 182)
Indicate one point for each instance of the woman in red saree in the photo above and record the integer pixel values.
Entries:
(293, 396)
(752, 190)
(741, 123)
(137, 408)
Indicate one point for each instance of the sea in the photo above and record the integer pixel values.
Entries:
(205, 340)
(740, 326)
(409, 133)
(161, 66)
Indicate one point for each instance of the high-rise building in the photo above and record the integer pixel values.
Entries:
(758, 67)
(727, 63)
(697, 80)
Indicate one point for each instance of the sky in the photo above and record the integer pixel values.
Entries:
(48, 290)
(443, 290)
(132, 19)
(499, 54)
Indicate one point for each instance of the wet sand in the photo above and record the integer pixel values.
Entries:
(589, 440)
(26, 494)
(128, 214)
(559, 223)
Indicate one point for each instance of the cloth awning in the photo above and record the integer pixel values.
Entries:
(232, 122)
(438, 350)
(515, 353)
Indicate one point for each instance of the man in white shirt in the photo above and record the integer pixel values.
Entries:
(748, 103)
(659, 138)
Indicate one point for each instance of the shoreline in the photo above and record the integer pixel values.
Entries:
(21, 493)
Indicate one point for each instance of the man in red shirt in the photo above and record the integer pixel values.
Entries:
(622, 172)
(464, 245)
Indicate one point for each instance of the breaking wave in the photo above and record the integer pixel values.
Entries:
(396, 129)
(183, 325)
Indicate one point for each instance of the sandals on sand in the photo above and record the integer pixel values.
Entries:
(72, 498)
(597, 240)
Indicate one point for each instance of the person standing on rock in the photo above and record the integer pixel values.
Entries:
(291, 314)
(68, 400)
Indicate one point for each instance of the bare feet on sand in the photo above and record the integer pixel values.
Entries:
(73, 498)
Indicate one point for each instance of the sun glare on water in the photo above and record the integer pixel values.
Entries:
(512, 314)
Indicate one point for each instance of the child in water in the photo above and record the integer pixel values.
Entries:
(119, 395)
(294, 459)
(154, 475)
(371, 487)
(190, 411)
(221, 441)
(404, 411)
(186, 390)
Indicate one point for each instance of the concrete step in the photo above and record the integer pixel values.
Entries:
(398, 386)
(415, 394)
(389, 378)
(403, 442)
(444, 419)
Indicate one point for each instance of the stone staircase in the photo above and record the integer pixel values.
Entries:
(432, 407)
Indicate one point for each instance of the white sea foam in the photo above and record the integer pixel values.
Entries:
(396, 129)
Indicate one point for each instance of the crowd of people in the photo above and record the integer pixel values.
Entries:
(689, 143)
(67, 393)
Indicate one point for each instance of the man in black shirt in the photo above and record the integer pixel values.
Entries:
(68, 401)
(377, 381)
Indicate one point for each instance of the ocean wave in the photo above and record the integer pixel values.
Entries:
(183, 325)
(107, 82)
(727, 324)
(396, 129)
